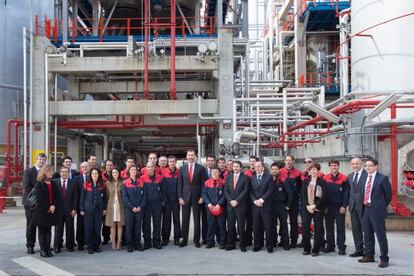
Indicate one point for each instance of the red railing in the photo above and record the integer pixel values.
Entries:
(52, 28)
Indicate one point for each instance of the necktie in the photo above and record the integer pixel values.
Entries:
(209, 173)
(368, 190)
(235, 181)
(355, 182)
(84, 178)
(64, 187)
(259, 178)
(190, 172)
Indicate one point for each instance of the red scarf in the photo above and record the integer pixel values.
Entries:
(49, 187)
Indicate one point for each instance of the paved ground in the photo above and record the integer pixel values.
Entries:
(190, 260)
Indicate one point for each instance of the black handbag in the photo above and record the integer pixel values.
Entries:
(32, 199)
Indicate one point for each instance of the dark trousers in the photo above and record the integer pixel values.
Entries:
(281, 215)
(133, 226)
(332, 218)
(236, 215)
(374, 223)
(216, 227)
(263, 222)
(80, 230)
(186, 209)
(204, 222)
(293, 220)
(152, 210)
(45, 235)
(306, 230)
(356, 222)
(171, 209)
(249, 224)
(30, 228)
(106, 231)
(65, 223)
(93, 223)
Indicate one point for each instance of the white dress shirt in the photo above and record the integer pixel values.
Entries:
(372, 185)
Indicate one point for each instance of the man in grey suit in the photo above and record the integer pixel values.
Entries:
(356, 179)
(190, 183)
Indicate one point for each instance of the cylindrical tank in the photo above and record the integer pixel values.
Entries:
(383, 60)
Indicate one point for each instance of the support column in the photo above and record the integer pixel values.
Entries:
(226, 83)
(95, 17)
(74, 150)
(65, 10)
(300, 45)
(39, 45)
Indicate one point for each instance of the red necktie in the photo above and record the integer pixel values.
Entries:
(190, 172)
(64, 187)
(234, 182)
(368, 190)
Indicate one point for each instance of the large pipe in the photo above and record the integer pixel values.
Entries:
(46, 113)
(146, 33)
(24, 98)
(172, 48)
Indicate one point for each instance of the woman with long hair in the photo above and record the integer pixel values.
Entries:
(115, 218)
(45, 213)
(93, 208)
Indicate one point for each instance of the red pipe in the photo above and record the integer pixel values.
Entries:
(146, 33)
(16, 166)
(172, 39)
(16, 149)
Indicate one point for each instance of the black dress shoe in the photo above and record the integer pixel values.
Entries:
(203, 243)
(270, 250)
(105, 242)
(183, 244)
(165, 243)
(43, 253)
(256, 249)
(300, 245)
(209, 245)
(329, 250)
(98, 250)
(383, 264)
(293, 245)
(243, 249)
(49, 253)
(231, 247)
(80, 248)
(280, 244)
(57, 250)
(341, 252)
(90, 251)
(222, 246)
(356, 254)
(157, 246)
(70, 249)
(130, 249)
(177, 242)
(314, 254)
(30, 250)
(147, 246)
(367, 259)
(197, 244)
(286, 247)
(306, 253)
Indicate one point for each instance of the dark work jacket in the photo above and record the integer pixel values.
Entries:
(293, 178)
(213, 192)
(264, 191)
(29, 182)
(133, 194)
(86, 204)
(69, 200)
(337, 190)
(41, 217)
(320, 202)
(169, 184)
(152, 188)
(282, 193)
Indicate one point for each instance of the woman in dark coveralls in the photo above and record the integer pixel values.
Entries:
(45, 213)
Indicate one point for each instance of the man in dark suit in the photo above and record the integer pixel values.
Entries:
(190, 181)
(79, 180)
(68, 193)
(377, 194)
(237, 195)
(261, 194)
(29, 182)
(356, 180)
(67, 162)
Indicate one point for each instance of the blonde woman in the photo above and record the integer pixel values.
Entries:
(115, 217)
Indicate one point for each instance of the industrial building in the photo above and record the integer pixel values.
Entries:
(321, 79)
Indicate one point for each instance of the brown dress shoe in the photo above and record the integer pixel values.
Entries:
(383, 264)
(367, 259)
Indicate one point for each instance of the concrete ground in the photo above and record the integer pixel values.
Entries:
(190, 260)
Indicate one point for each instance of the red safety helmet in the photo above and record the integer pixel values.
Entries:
(215, 212)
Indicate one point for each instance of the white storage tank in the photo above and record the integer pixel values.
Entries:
(384, 60)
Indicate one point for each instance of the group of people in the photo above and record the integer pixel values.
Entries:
(257, 206)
